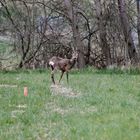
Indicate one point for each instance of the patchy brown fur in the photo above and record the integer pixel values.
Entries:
(62, 64)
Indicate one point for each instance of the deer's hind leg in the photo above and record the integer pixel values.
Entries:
(61, 76)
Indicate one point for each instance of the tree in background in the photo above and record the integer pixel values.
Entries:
(100, 30)
(72, 13)
(102, 18)
(127, 31)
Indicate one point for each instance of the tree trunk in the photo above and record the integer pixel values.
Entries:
(102, 32)
(127, 32)
(138, 23)
(78, 45)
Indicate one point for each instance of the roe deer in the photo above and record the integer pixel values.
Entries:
(62, 64)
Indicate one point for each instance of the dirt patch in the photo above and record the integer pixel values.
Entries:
(53, 107)
(14, 113)
(88, 110)
(19, 109)
(6, 85)
(21, 106)
(64, 91)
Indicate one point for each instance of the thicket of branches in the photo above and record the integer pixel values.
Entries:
(104, 32)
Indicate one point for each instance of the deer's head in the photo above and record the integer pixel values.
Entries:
(75, 55)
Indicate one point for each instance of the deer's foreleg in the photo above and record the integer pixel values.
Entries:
(67, 75)
(61, 76)
(52, 76)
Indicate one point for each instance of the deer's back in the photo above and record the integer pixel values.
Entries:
(55, 58)
(60, 63)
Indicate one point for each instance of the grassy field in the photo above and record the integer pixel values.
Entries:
(96, 105)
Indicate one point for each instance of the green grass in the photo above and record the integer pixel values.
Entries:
(107, 108)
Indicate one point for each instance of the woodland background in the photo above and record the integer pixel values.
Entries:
(106, 33)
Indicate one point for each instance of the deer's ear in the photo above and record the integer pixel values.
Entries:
(77, 50)
(75, 54)
(73, 50)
